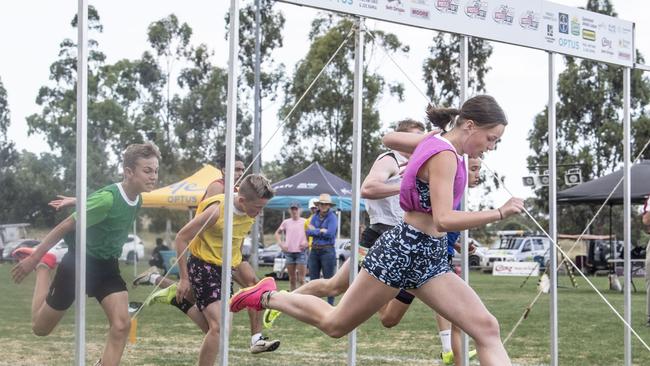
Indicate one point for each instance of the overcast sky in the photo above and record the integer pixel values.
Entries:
(32, 31)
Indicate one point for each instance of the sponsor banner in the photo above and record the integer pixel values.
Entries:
(530, 23)
(515, 269)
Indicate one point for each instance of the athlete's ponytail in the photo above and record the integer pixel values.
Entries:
(482, 109)
(441, 117)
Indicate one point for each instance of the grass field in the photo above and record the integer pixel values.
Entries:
(589, 332)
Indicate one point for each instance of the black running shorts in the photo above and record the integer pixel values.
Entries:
(370, 235)
(102, 279)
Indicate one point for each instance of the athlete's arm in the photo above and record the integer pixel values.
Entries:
(646, 221)
(405, 141)
(278, 237)
(374, 186)
(441, 171)
(62, 201)
(193, 228)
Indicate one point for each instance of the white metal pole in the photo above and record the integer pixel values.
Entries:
(135, 248)
(552, 205)
(82, 144)
(627, 214)
(257, 127)
(356, 172)
(226, 256)
(464, 65)
(338, 222)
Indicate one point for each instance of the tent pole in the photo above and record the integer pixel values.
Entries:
(627, 214)
(338, 223)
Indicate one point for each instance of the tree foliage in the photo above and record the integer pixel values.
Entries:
(320, 127)
(441, 71)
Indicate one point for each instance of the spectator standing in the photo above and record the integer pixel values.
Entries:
(294, 245)
(323, 227)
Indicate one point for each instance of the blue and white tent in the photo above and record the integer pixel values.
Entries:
(310, 183)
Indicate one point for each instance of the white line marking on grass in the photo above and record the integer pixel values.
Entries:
(342, 356)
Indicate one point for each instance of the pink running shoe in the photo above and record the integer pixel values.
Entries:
(48, 259)
(251, 297)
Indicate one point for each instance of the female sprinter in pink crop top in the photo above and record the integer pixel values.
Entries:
(413, 255)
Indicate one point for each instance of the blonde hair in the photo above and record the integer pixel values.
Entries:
(134, 152)
(256, 186)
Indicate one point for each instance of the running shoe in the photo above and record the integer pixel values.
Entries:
(163, 296)
(270, 315)
(48, 259)
(264, 345)
(448, 357)
(251, 297)
(144, 278)
(134, 306)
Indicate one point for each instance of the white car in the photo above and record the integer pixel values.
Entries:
(476, 258)
(519, 249)
(131, 248)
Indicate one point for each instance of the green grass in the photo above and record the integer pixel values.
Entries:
(589, 332)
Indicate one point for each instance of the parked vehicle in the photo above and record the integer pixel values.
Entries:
(599, 251)
(132, 250)
(476, 258)
(13, 245)
(246, 248)
(267, 255)
(519, 247)
(10, 233)
(342, 247)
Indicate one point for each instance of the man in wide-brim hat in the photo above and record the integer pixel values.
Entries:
(322, 228)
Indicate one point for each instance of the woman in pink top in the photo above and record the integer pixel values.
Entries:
(294, 246)
(418, 245)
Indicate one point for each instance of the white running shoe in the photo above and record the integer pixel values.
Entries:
(264, 345)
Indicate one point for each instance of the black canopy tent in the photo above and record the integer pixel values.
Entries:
(596, 191)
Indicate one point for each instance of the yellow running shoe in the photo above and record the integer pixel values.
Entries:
(447, 357)
(163, 296)
(270, 315)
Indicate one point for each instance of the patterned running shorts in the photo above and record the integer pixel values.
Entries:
(205, 279)
(406, 258)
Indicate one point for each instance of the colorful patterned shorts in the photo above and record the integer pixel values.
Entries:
(205, 279)
(406, 258)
